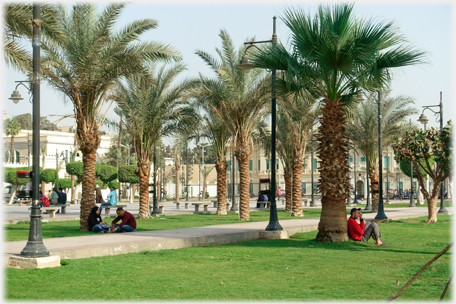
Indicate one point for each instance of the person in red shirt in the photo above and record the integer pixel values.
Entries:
(362, 232)
(128, 221)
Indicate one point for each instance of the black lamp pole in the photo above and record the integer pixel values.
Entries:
(368, 202)
(155, 210)
(355, 201)
(186, 149)
(233, 202)
(412, 203)
(381, 213)
(312, 200)
(35, 246)
(387, 176)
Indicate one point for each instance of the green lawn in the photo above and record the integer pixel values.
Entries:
(296, 269)
(20, 231)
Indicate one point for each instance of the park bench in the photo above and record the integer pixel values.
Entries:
(108, 208)
(178, 203)
(51, 210)
(62, 208)
(161, 207)
(197, 205)
(304, 202)
(263, 204)
(227, 205)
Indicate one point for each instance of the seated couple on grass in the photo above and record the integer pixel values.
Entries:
(128, 223)
(362, 232)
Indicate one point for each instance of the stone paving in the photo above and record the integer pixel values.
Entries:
(122, 243)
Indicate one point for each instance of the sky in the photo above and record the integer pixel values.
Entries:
(192, 26)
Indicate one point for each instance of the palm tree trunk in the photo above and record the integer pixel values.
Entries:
(297, 188)
(144, 190)
(177, 166)
(88, 185)
(374, 176)
(221, 166)
(72, 189)
(12, 149)
(288, 174)
(333, 183)
(119, 142)
(244, 181)
(204, 187)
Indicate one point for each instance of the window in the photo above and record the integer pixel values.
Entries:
(315, 163)
(303, 188)
(259, 165)
(17, 156)
(363, 159)
(250, 165)
(277, 164)
(401, 186)
(351, 159)
(386, 162)
(267, 164)
(229, 165)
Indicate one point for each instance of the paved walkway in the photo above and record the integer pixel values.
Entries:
(122, 243)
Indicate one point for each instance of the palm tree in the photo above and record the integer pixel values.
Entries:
(151, 109)
(363, 131)
(298, 119)
(18, 24)
(239, 100)
(177, 165)
(84, 66)
(12, 128)
(334, 56)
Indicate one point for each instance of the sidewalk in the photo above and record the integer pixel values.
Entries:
(121, 243)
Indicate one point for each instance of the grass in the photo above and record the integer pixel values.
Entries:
(295, 269)
(53, 229)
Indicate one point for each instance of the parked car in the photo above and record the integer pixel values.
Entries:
(7, 193)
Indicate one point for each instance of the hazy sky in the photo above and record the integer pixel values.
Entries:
(193, 26)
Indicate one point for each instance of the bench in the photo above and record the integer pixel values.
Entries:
(108, 208)
(161, 207)
(178, 203)
(263, 204)
(51, 210)
(62, 208)
(304, 202)
(197, 205)
(227, 205)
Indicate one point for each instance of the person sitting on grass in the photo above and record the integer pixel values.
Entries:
(362, 232)
(128, 221)
(95, 222)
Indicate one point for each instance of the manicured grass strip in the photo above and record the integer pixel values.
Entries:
(296, 269)
(20, 231)
(404, 203)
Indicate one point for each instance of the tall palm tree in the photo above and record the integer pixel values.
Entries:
(12, 128)
(363, 131)
(299, 115)
(151, 107)
(240, 100)
(334, 56)
(213, 128)
(18, 24)
(84, 66)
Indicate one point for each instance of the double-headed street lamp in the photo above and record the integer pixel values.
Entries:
(35, 246)
(423, 119)
(246, 66)
(381, 212)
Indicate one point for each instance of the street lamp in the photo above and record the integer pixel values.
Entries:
(155, 211)
(381, 213)
(423, 119)
(203, 145)
(246, 66)
(387, 175)
(355, 201)
(35, 246)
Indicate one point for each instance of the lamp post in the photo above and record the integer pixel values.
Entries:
(161, 174)
(35, 246)
(368, 203)
(312, 200)
(203, 145)
(186, 149)
(412, 203)
(155, 211)
(381, 213)
(423, 119)
(387, 175)
(355, 201)
(246, 66)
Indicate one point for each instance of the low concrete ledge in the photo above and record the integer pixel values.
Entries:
(274, 235)
(41, 262)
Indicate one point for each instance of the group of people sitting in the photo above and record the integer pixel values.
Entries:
(96, 223)
(57, 197)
